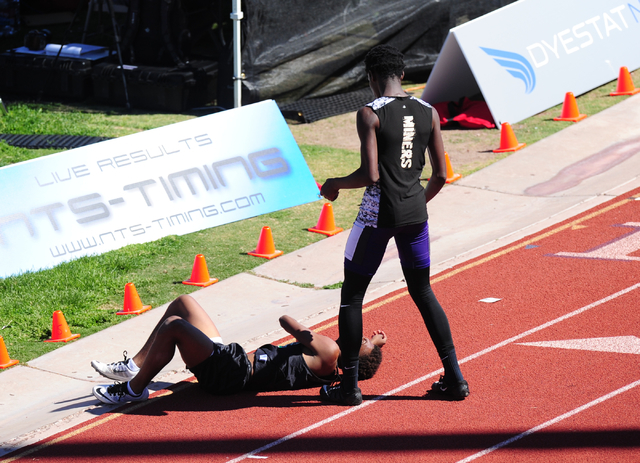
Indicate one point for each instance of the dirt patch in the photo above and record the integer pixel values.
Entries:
(468, 150)
(337, 132)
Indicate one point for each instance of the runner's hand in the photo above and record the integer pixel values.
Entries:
(329, 191)
(379, 338)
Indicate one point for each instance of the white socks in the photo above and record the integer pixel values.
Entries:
(132, 365)
(130, 391)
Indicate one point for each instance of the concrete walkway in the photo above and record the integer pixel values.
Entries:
(550, 181)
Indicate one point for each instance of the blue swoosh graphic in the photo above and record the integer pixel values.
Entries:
(516, 65)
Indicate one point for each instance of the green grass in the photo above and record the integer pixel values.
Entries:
(90, 290)
(60, 119)
(11, 155)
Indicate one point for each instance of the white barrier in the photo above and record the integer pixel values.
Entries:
(172, 180)
(525, 57)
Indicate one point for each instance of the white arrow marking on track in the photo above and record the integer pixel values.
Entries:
(619, 344)
(617, 249)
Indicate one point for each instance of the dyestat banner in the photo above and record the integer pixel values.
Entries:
(525, 57)
(171, 180)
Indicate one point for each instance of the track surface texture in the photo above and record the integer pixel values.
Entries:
(552, 365)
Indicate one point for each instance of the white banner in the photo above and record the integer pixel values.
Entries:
(525, 57)
(171, 180)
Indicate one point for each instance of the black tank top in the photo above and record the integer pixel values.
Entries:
(397, 199)
(283, 368)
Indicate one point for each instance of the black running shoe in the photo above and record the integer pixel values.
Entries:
(336, 395)
(457, 391)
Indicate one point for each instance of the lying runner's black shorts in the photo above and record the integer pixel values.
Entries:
(226, 371)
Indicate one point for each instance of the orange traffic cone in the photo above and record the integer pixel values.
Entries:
(326, 224)
(451, 177)
(5, 360)
(266, 248)
(508, 140)
(625, 84)
(132, 303)
(200, 274)
(570, 110)
(60, 331)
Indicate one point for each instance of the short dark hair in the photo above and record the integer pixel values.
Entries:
(384, 61)
(369, 363)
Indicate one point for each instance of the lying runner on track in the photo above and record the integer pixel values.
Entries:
(225, 369)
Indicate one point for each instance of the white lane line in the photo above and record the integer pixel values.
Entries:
(551, 422)
(434, 373)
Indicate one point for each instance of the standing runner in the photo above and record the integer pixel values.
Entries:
(395, 130)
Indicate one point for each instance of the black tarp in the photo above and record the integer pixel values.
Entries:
(294, 49)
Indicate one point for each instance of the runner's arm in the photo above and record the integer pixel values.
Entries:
(436, 158)
(325, 351)
(367, 174)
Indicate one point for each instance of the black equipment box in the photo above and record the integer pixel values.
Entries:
(45, 75)
(158, 88)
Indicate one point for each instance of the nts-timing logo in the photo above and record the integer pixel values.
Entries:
(516, 65)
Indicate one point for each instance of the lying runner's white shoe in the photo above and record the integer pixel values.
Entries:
(118, 371)
(118, 394)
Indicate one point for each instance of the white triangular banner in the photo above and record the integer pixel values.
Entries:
(524, 57)
(618, 344)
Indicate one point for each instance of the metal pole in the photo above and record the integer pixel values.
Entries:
(236, 16)
(117, 39)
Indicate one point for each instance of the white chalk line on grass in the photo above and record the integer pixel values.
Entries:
(551, 422)
(437, 372)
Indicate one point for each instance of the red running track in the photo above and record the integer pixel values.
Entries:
(553, 369)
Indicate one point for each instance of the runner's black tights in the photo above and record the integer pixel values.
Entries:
(432, 313)
(419, 286)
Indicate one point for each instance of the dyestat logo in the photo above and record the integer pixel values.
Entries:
(573, 39)
(516, 65)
